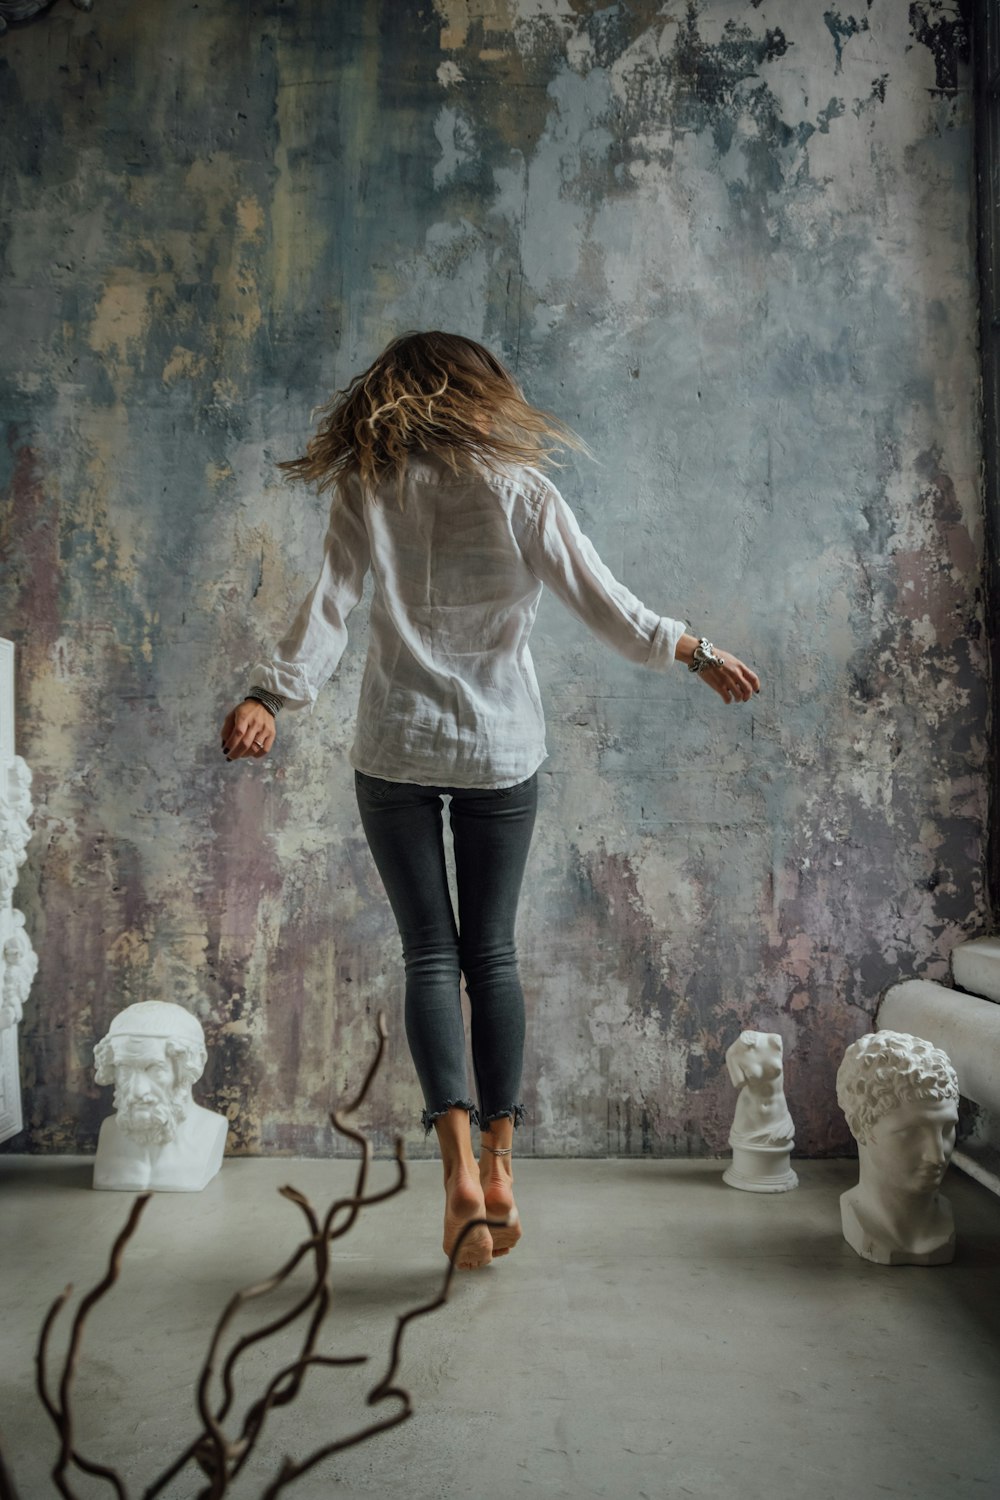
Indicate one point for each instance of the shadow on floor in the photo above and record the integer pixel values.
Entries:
(55, 1177)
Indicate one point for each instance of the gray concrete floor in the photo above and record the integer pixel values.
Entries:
(655, 1334)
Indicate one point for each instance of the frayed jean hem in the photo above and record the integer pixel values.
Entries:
(427, 1119)
(515, 1113)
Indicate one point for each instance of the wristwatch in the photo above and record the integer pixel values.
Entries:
(704, 656)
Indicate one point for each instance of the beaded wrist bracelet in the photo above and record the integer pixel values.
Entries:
(270, 701)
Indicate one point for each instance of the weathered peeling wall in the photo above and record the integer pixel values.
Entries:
(733, 244)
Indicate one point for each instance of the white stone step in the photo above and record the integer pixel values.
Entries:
(965, 1026)
(975, 966)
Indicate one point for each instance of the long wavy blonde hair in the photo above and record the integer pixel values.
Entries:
(428, 392)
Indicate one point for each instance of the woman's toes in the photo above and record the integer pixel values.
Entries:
(507, 1234)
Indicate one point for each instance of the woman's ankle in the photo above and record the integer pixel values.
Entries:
(490, 1146)
(454, 1133)
(496, 1157)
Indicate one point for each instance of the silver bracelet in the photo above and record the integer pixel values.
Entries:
(704, 656)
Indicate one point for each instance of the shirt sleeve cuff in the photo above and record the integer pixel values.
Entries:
(287, 682)
(664, 644)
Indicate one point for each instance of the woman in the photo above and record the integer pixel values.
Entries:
(433, 458)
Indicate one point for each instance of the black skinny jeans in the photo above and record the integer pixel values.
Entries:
(491, 830)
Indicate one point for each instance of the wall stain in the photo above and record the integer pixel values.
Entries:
(842, 28)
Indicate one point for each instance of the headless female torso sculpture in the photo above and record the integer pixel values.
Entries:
(762, 1135)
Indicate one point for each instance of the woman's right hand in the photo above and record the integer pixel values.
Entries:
(734, 681)
(248, 731)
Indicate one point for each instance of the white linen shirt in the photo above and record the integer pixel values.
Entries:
(449, 695)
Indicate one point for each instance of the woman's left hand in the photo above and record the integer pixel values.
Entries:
(248, 731)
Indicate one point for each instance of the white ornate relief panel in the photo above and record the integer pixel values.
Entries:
(18, 962)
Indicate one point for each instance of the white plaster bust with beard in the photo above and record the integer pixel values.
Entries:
(159, 1138)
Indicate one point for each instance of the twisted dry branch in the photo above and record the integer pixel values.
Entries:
(219, 1456)
(61, 1411)
(384, 1389)
(8, 1490)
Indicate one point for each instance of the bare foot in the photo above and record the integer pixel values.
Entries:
(464, 1201)
(497, 1180)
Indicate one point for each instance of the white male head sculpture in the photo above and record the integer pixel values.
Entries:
(160, 1138)
(900, 1096)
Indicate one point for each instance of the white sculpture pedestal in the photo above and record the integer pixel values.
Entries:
(761, 1169)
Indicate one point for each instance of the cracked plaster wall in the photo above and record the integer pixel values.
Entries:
(734, 245)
